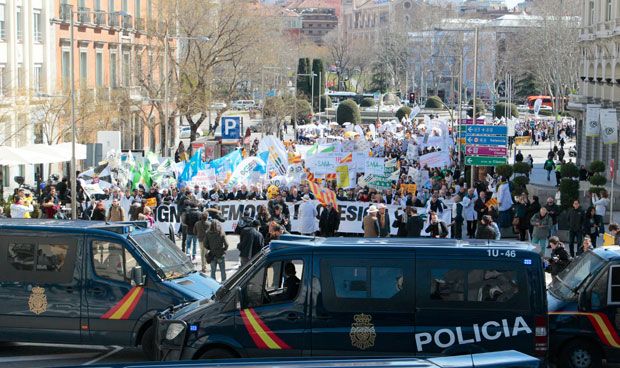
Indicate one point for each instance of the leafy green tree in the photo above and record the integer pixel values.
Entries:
(403, 112)
(304, 88)
(433, 102)
(480, 108)
(367, 102)
(348, 112)
(318, 70)
(503, 110)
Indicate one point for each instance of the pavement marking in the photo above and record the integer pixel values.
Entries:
(31, 358)
(106, 355)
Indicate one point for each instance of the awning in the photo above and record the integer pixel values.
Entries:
(40, 154)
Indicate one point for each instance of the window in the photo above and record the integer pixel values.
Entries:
(112, 261)
(3, 81)
(113, 70)
(480, 285)
(592, 13)
(149, 9)
(66, 68)
(2, 23)
(36, 26)
(365, 285)
(18, 24)
(614, 285)
(111, 6)
(20, 76)
(97, 5)
(278, 283)
(608, 14)
(37, 82)
(38, 257)
(138, 65)
(21, 256)
(124, 6)
(83, 68)
(126, 69)
(137, 9)
(99, 69)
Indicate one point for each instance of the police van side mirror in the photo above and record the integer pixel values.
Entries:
(137, 276)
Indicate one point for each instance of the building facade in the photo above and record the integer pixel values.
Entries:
(599, 41)
(117, 46)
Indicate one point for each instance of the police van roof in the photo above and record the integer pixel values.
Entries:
(70, 225)
(608, 252)
(290, 241)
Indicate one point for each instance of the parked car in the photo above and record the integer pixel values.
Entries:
(218, 106)
(186, 132)
(243, 104)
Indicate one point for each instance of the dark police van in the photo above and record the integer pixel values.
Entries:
(87, 282)
(584, 310)
(346, 296)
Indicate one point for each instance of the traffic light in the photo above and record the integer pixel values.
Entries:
(411, 97)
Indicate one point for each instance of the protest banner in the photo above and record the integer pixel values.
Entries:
(435, 159)
(593, 126)
(374, 166)
(204, 178)
(343, 176)
(322, 163)
(351, 215)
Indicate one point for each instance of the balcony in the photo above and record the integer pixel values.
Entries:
(113, 20)
(127, 22)
(65, 13)
(99, 18)
(83, 15)
(140, 24)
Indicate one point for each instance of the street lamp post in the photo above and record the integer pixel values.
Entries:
(474, 97)
(73, 173)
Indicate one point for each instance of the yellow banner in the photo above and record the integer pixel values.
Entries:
(608, 239)
(408, 188)
(343, 176)
(522, 140)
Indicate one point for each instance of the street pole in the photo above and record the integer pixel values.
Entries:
(312, 91)
(474, 97)
(458, 124)
(320, 81)
(73, 172)
(166, 112)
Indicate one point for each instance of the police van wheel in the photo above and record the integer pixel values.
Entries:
(581, 354)
(217, 353)
(148, 343)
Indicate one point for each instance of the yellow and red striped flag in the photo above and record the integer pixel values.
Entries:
(294, 158)
(310, 176)
(347, 158)
(331, 176)
(324, 195)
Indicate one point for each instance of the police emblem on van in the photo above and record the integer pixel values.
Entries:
(37, 301)
(362, 332)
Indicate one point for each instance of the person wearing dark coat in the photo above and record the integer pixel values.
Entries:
(575, 226)
(400, 223)
(480, 206)
(415, 224)
(457, 229)
(329, 221)
(249, 241)
(559, 257)
(98, 212)
(533, 209)
(437, 228)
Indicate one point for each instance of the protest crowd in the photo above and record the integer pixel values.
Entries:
(401, 179)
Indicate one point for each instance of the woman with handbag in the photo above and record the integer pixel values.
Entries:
(217, 245)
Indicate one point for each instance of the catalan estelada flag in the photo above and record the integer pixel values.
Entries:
(600, 322)
(123, 309)
(310, 176)
(347, 158)
(492, 202)
(331, 176)
(262, 336)
(324, 195)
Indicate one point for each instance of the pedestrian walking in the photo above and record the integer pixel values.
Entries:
(470, 213)
(189, 219)
(575, 226)
(549, 165)
(436, 227)
(485, 229)
(115, 212)
(329, 221)
(592, 224)
(200, 229)
(415, 224)
(384, 221)
(251, 241)
(541, 226)
(307, 216)
(559, 258)
(217, 245)
(370, 223)
(601, 203)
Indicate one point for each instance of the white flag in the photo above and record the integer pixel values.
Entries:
(609, 126)
(593, 126)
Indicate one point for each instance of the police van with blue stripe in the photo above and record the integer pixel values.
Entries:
(305, 296)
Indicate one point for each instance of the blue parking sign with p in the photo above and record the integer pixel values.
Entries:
(231, 127)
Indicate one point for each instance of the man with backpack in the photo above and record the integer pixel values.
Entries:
(549, 166)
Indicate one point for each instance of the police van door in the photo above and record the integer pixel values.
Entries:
(272, 320)
(40, 288)
(469, 306)
(114, 304)
(363, 305)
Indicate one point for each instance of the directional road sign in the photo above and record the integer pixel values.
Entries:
(493, 151)
(487, 140)
(485, 161)
(487, 129)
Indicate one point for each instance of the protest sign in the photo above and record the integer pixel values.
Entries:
(435, 159)
(204, 178)
(374, 166)
(343, 176)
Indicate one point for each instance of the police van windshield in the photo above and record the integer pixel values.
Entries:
(163, 254)
(566, 284)
(233, 281)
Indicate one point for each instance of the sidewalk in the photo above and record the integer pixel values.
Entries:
(232, 257)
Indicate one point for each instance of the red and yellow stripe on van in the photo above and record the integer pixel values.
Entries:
(603, 327)
(262, 336)
(123, 309)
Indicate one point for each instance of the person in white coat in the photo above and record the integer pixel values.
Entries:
(19, 209)
(307, 216)
(505, 202)
(600, 203)
(469, 213)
